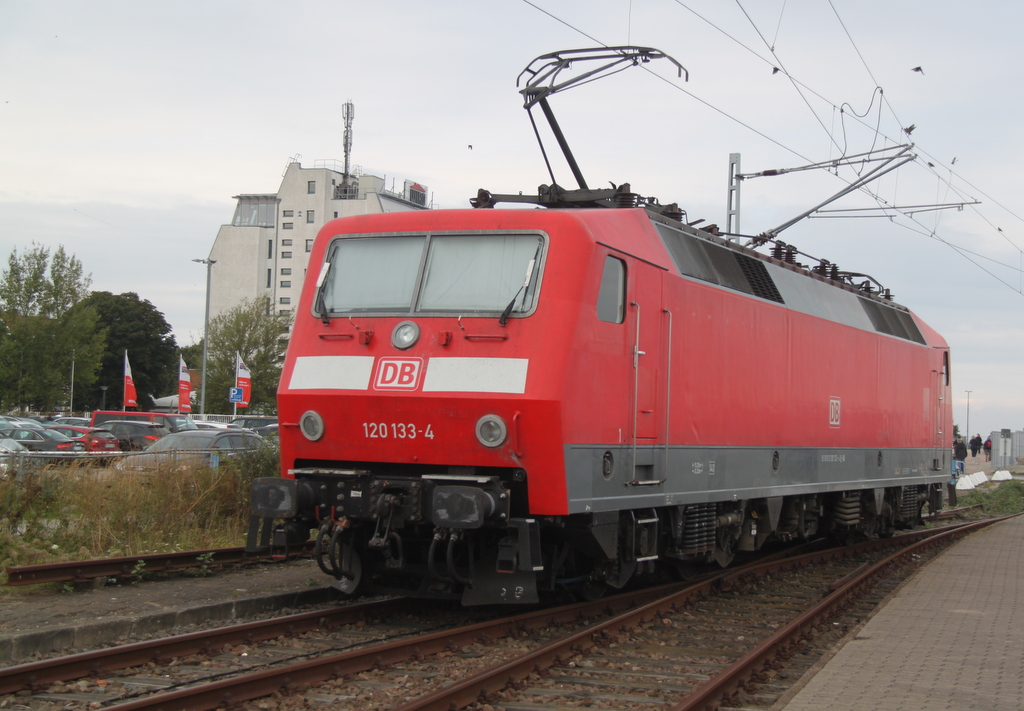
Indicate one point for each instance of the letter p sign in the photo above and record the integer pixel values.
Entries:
(398, 374)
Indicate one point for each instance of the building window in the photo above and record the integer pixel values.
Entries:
(255, 210)
(270, 278)
(310, 216)
(309, 245)
(284, 300)
(284, 312)
(270, 249)
(286, 271)
(335, 214)
(286, 243)
(286, 255)
(288, 226)
(311, 187)
(286, 285)
(288, 213)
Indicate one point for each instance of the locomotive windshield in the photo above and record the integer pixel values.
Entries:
(464, 274)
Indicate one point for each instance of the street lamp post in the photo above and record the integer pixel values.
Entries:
(103, 397)
(206, 332)
(968, 413)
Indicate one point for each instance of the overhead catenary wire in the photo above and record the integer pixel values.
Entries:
(800, 87)
(884, 99)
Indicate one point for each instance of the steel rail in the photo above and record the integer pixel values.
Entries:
(253, 685)
(132, 566)
(76, 666)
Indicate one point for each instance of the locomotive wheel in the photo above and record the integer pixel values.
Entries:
(322, 551)
(592, 590)
(684, 569)
(350, 569)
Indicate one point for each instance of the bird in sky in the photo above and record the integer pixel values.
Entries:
(910, 129)
(918, 70)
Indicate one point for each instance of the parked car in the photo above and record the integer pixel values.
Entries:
(169, 420)
(93, 439)
(68, 420)
(251, 422)
(192, 448)
(135, 435)
(24, 422)
(210, 425)
(8, 448)
(41, 440)
(269, 431)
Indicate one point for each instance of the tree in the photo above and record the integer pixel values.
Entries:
(46, 331)
(256, 333)
(134, 325)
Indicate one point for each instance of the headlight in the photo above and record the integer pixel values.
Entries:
(312, 425)
(405, 335)
(491, 431)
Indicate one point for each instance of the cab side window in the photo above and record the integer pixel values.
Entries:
(611, 299)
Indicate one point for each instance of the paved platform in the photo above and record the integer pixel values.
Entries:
(44, 621)
(952, 637)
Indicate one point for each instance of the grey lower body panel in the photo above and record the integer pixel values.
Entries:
(610, 478)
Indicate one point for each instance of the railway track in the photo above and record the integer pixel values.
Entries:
(712, 640)
(82, 571)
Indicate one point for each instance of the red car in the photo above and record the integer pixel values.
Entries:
(93, 439)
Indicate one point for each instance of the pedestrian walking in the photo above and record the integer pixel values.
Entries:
(988, 449)
(959, 455)
(975, 448)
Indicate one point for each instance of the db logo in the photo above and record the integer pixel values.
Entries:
(398, 374)
(833, 412)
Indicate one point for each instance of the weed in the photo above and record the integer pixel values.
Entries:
(138, 571)
(53, 514)
(205, 560)
(1002, 500)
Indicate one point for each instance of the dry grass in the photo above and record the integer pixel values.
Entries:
(76, 512)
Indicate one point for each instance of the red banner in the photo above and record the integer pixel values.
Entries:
(243, 381)
(184, 387)
(129, 386)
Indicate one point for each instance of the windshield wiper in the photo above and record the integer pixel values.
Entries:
(318, 301)
(522, 290)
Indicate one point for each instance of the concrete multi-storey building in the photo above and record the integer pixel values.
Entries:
(265, 250)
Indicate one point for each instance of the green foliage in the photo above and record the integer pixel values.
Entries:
(253, 330)
(138, 571)
(135, 325)
(45, 329)
(36, 285)
(1003, 500)
(205, 560)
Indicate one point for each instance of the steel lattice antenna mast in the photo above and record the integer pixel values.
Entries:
(348, 114)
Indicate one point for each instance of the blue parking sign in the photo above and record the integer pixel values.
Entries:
(235, 395)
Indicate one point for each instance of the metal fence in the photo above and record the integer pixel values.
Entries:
(1007, 448)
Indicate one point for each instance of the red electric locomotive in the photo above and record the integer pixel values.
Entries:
(492, 403)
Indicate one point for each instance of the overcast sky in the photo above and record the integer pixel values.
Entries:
(127, 127)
